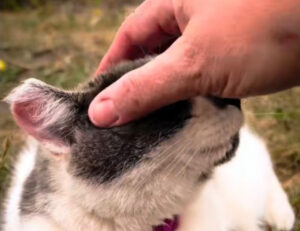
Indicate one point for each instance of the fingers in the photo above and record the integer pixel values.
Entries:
(170, 77)
(150, 26)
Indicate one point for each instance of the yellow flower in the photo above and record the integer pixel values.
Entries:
(97, 12)
(2, 65)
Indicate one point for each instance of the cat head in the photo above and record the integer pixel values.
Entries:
(172, 148)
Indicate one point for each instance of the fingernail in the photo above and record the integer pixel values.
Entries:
(103, 113)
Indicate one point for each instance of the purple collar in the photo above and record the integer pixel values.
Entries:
(169, 225)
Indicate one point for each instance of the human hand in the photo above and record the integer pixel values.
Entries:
(226, 48)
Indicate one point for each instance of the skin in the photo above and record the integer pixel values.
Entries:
(226, 48)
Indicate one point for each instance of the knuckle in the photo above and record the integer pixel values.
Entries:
(191, 59)
(192, 64)
(125, 34)
(127, 27)
(131, 92)
(128, 85)
(189, 52)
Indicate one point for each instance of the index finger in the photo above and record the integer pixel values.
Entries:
(151, 25)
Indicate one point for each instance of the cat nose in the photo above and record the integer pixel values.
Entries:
(224, 102)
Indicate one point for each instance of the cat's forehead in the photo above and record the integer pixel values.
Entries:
(102, 154)
(106, 78)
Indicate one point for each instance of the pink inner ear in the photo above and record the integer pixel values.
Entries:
(27, 117)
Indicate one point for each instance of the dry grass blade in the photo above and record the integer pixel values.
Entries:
(4, 154)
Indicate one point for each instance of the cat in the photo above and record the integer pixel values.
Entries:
(73, 176)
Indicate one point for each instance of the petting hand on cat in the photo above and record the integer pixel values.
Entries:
(225, 48)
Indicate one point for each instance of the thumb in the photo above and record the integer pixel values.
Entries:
(169, 77)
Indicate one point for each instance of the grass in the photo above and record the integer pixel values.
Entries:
(63, 44)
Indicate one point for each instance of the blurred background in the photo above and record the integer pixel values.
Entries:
(62, 42)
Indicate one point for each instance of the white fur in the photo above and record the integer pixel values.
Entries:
(241, 194)
(23, 168)
(24, 92)
(39, 224)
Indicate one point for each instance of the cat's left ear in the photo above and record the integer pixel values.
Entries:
(44, 112)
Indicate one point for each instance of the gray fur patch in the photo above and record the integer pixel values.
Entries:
(36, 188)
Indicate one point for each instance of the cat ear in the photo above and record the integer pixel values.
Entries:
(44, 112)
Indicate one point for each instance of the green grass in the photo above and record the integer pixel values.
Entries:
(63, 44)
